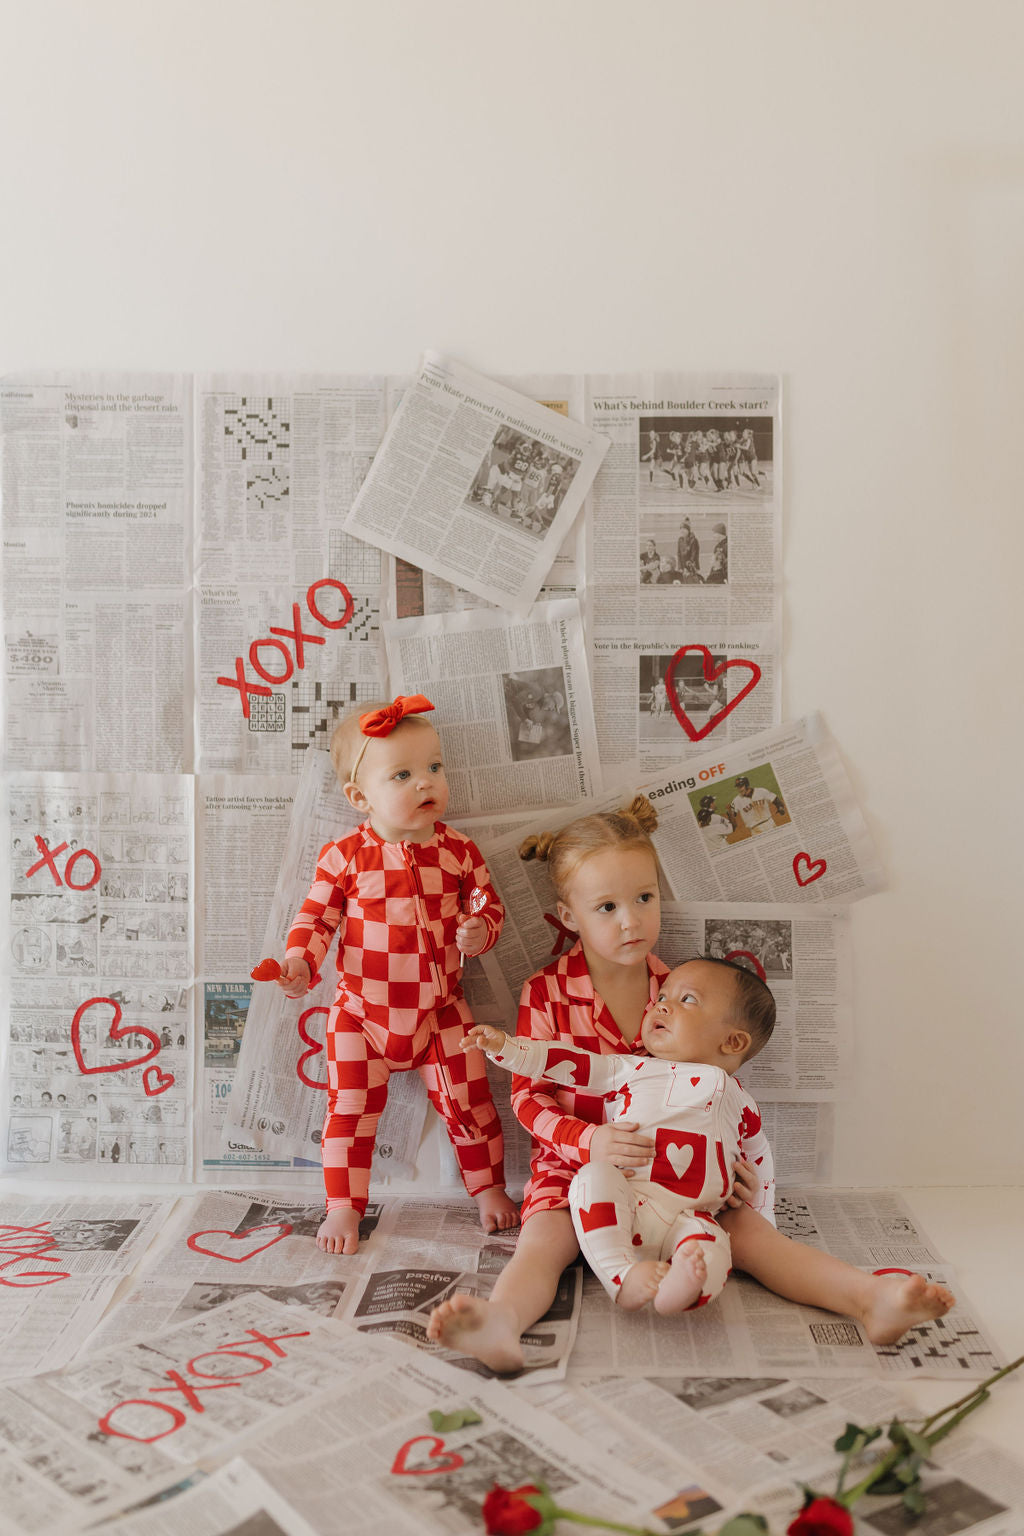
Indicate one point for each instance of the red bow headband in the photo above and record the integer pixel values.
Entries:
(381, 722)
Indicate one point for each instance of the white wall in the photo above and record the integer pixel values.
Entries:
(835, 192)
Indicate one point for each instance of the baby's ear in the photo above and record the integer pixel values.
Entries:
(355, 797)
(737, 1043)
(566, 918)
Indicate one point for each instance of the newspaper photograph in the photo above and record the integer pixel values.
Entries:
(62, 1262)
(774, 819)
(476, 483)
(514, 708)
(97, 964)
(97, 507)
(683, 564)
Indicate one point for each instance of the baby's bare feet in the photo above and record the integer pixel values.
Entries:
(684, 1282)
(473, 1326)
(641, 1283)
(898, 1302)
(497, 1212)
(339, 1231)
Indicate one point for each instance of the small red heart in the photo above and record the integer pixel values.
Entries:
(744, 954)
(711, 675)
(267, 970)
(115, 1032)
(154, 1081)
(815, 868)
(279, 1228)
(637, 1239)
(695, 1081)
(443, 1460)
(315, 1048)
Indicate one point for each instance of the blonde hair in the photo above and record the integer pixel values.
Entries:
(627, 828)
(348, 742)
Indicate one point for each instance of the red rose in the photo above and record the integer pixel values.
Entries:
(822, 1517)
(506, 1512)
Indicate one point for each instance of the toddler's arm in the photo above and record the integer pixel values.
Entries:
(318, 918)
(480, 927)
(758, 1178)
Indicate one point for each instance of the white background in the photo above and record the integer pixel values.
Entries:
(833, 192)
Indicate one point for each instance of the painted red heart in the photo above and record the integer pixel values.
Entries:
(115, 1032)
(443, 1460)
(315, 1048)
(711, 675)
(744, 954)
(279, 1228)
(815, 868)
(155, 1081)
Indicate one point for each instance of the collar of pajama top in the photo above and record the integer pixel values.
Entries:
(577, 986)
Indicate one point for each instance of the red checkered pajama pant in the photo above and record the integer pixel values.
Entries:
(361, 1056)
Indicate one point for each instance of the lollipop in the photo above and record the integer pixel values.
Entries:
(477, 900)
(269, 970)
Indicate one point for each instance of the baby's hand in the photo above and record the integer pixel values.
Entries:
(485, 1039)
(747, 1183)
(619, 1143)
(471, 935)
(294, 978)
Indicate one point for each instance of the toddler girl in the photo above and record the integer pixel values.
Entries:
(412, 898)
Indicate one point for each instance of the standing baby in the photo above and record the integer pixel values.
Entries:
(411, 899)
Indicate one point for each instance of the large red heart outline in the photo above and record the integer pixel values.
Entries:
(443, 1460)
(280, 1229)
(115, 1032)
(711, 675)
(815, 868)
(315, 1048)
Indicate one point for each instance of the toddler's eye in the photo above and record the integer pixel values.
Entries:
(647, 896)
(403, 773)
(437, 767)
(661, 997)
(607, 906)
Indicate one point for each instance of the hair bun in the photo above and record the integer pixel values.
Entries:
(537, 845)
(642, 812)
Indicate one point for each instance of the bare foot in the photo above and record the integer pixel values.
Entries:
(684, 1281)
(898, 1302)
(339, 1231)
(497, 1212)
(473, 1326)
(641, 1284)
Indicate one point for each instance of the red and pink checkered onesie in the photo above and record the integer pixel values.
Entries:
(699, 1118)
(559, 1003)
(399, 1004)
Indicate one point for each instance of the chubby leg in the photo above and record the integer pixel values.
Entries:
(611, 1237)
(886, 1305)
(700, 1264)
(489, 1330)
(356, 1094)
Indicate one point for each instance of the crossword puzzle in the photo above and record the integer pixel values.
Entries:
(950, 1344)
(317, 708)
(351, 561)
(794, 1219)
(263, 486)
(257, 428)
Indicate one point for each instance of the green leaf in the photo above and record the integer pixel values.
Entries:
(744, 1525)
(908, 1473)
(888, 1484)
(913, 1500)
(898, 1433)
(919, 1443)
(445, 1423)
(849, 1437)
